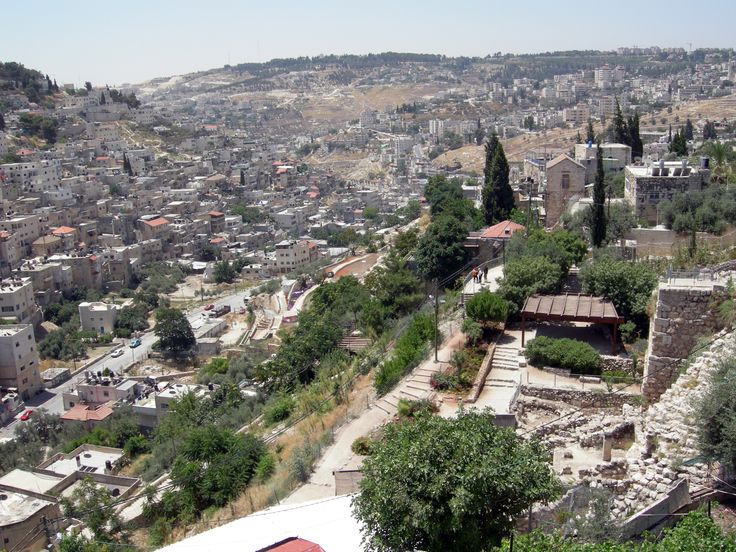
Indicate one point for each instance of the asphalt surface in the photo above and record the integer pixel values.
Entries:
(51, 399)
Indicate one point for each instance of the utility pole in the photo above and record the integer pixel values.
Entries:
(436, 316)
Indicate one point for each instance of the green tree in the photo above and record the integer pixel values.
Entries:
(688, 130)
(92, 504)
(709, 131)
(242, 177)
(370, 213)
(2, 122)
(628, 285)
(439, 484)
(224, 273)
(214, 465)
(88, 86)
(590, 133)
(598, 227)
(637, 146)
(678, 146)
(486, 307)
(472, 330)
(620, 130)
(440, 251)
(173, 330)
(527, 276)
(716, 415)
(497, 195)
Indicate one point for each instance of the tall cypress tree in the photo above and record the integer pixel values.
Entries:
(688, 132)
(590, 136)
(598, 225)
(488, 197)
(503, 195)
(2, 122)
(620, 132)
(637, 146)
(242, 178)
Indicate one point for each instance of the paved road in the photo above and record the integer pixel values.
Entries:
(51, 399)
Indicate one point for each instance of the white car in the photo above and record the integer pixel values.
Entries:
(116, 353)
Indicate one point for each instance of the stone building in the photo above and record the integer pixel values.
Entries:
(647, 186)
(565, 183)
(616, 157)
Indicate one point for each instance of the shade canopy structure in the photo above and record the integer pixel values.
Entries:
(571, 307)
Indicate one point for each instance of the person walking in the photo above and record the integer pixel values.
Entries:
(485, 273)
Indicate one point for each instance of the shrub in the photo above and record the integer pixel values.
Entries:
(407, 353)
(472, 330)
(279, 409)
(265, 468)
(527, 276)
(577, 356)
(629, 333)
(362, 446)
(485, 307)
(409, 409)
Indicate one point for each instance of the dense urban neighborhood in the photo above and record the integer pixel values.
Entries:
(385, 302)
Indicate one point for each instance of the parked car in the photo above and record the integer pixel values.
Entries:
(209, 307)
(134, 343)
(26, 415)
(116, 353)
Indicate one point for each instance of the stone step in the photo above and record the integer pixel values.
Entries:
(392, 400)
(411, 396)
(418, 387)
(506, 365)
(385, 406)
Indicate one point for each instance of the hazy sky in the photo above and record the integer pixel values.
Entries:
(135, 40)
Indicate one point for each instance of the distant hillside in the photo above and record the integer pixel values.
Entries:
(32, 83)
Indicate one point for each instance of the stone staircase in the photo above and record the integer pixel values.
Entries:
(505, 367)
(415, 388)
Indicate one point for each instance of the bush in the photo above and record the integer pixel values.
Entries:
(362, 446)
(629, 333)
(279, 409)
(527, 276)
(265, 468)
(407, 353)
(571, 354)
(486, 307)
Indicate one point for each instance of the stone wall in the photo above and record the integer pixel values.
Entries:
(580, 399)
(683, 314)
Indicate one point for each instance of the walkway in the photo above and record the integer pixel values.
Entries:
(490, 282)
(415, 386)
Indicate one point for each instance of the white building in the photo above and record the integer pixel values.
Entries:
(293, 254)
(19, 360)
(17, 301)
(98, 316)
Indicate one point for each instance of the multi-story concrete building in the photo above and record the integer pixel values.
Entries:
(49, 279)
(647, 186)
(34, 176)
(565, 182)
(98, 316)
(293, 254)
(19, 360)
(86, 269)
(17, 302)
(615, 158)
(27, 229)
(577, 115)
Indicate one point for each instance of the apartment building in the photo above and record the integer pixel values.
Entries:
(33, 176)
(16, 300)
(19, 360)
(615, 158)
(27, 229)
(293, 254)
(97, 316)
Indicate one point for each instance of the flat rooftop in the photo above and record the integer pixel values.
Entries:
(94, 460)
(17, 507)
(30, 481)
(12, 329)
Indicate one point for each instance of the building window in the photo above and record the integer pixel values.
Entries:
(565, 181)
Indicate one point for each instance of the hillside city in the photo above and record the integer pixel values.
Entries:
(376, 302)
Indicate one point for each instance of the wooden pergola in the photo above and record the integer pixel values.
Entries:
(571, 307)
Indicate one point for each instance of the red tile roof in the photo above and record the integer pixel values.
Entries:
(293, 544)
(156, 222)
(215, 241)
(61, 230)
(501, 230)
(86, 413)
(216, 214)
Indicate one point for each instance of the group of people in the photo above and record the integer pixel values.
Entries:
(479, 275)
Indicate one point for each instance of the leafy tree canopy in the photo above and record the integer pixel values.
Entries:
(439, 484)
